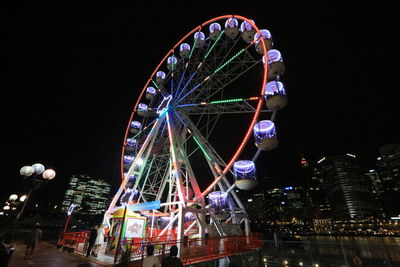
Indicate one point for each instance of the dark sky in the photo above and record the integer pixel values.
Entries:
(70, 76)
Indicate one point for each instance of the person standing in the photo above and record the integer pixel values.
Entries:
(151, 260)
(99, 240)
(33, 238)
(172, 260)
(92, 239)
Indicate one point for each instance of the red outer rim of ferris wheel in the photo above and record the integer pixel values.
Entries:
(256, 113)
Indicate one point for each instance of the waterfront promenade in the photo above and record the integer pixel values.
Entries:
(47, 255)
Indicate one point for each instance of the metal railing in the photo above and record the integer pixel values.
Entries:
(191, 250)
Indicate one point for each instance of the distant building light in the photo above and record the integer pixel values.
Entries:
(379, 158)
(250, 200)
(395, 218)
(283, 202)
(321, 160)
(288, 188)
(350, 155)
(372, 170)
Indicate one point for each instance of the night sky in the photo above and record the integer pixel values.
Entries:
(70, 76)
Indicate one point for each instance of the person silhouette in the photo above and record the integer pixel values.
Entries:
(92, 239)
(151, 260)
(32, 241)
(172, 260)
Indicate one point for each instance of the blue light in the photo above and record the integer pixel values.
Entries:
(218, 200)
(245, 26)
(172, 60)
(128, 159)
(231, 23)
(265, 34)
(142, 106)
(288, 188)
(151, 90)
(215, 27)
(263, 130)
(184, 46)
(244, 170)
(136, 125)
(199, 35)
(160, 74)
(274, 88)
(131, 142)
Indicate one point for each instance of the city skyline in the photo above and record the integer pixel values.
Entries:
(73, 83)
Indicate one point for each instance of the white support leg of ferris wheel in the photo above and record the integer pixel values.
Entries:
(149, 138)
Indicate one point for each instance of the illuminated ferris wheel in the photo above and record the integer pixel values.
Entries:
(192, 120)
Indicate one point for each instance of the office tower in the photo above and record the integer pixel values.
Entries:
(346, 186)
(90, 196)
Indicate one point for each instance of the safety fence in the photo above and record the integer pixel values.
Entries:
(75, 240)
(191, 250)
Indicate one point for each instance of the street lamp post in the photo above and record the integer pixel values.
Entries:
(34, 177)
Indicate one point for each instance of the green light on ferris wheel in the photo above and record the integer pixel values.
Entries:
(226, 101)
(202, 148)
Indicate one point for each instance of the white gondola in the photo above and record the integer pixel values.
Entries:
(275, 64)
(232, 28)
(171, 63)
(275, 95)
(135, 127)
(247, 31)
(150, 93)
(245, 174)
(199, 39)
(215, 31)
(184, 50)
(265, 135)
(266, 35)
(142, 109)
(160, 77)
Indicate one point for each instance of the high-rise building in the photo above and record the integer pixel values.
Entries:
(346, 186)
(255, 207)
(320, 206)
(388, 169)
(90, 196)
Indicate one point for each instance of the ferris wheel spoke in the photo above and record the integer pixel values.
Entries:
(217, 60)
(223, 76)
(227, 106)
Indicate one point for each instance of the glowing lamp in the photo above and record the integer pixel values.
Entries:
(215, 30)
(199, 39)
(184, 50)
(171, 63)
(232, 28)
(135, 127)
(49, 174)
(265, 135)
(39, 168)
(6, 207)
(27, 171)
(160, 77)
(247, 31)
(23, 198)
(142, 109)
(266, 35)
(245, 174)
(13, 197)
(150, 93)
(275, 95)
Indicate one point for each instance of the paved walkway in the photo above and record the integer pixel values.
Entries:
(47, 255)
